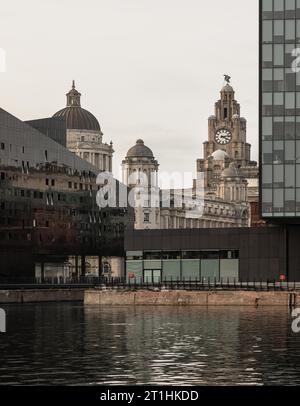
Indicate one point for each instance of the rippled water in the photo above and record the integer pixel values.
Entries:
(67, 344)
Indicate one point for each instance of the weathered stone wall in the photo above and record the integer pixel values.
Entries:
(184, 298)
(36, 296)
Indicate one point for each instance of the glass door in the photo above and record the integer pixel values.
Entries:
(152, 276)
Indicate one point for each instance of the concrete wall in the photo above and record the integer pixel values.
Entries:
(37, 296)
(184, 298)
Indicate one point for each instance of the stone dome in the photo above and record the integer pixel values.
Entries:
(76, 117)
(230, 172)
(219, 155)
(227, 88)
(140, 150)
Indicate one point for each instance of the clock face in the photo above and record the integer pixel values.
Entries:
(223, 136)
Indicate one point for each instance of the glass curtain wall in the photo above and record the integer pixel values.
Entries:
(280, 108)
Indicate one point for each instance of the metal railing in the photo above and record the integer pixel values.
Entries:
(86, 282)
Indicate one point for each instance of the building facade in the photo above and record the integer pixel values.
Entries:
(228, 176)
(48, 206)
(84, 135)
(259, 254)
(140, 174)
(226, 147)
(280, 110)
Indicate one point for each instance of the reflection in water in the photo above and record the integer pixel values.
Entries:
(67, 344)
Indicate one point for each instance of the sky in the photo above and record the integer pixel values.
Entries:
(149, 69)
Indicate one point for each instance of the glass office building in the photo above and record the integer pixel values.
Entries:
(280, 108)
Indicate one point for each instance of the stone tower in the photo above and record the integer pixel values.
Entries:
(227, 131)
(140, 174)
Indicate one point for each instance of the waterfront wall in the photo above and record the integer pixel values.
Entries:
(41, 295)
(184, 298)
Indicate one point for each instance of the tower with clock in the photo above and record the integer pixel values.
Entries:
(227, 140)
(227, 130)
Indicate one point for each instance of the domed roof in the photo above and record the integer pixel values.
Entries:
(76, 117)
(219, 155)
(230, 172)
(227, 88)
(140, 151)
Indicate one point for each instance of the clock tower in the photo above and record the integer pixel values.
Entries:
(227, 130)
(227, 142)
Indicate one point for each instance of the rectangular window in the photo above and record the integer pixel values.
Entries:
(290, 80)
(290, 128)
(267, 80)
(268, 31)
(278, 54)
(290, 30)
(278, 31)
(267, 9)
(267, 128)
(278, 8)
(268, 56)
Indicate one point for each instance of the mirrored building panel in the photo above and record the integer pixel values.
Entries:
(280, 108)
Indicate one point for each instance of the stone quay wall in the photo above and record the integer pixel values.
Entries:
(186, 298)
(41, 295)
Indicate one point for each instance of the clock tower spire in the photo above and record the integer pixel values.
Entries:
(227, 130)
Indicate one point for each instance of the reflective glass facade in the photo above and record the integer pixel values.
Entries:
(160, 266)
(280, 108)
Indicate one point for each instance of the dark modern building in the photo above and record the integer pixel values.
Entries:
(241, 254)
(280, 110)
(48, 208)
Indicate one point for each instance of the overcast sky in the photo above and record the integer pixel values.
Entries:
(149, 69)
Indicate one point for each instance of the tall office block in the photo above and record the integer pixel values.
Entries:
(280, 110)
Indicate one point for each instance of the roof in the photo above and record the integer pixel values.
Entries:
(140, 150)
(76, 117)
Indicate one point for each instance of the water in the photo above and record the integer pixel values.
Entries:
(67, 344)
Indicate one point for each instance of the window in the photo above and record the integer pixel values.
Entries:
(268, 31)
(52, 182)
(152, 255)
(2, 145)
(146, 217)
(278, 31)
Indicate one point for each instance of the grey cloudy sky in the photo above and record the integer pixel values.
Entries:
(148, 69)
